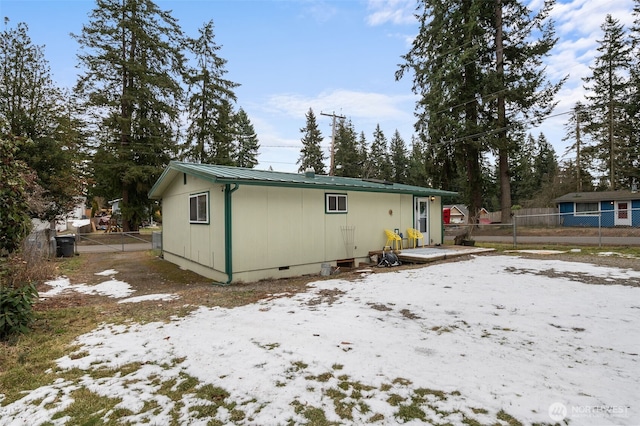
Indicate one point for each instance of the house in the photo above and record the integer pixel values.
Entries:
(606, 208)
(456, 213)
(233, 224)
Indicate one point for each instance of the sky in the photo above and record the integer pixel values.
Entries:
(542, 339)
(336, 57)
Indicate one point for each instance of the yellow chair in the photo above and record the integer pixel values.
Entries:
(393, 239)
(414, 235)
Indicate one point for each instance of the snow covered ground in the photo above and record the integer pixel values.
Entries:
(457, 341)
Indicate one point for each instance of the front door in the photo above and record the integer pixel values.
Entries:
(421, 217)
(622, 214)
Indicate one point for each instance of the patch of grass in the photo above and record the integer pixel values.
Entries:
(87, 408)
(323, 378)
(268, 346)
(423, 392)
(395, 400)
(28, 362)
(70, 265)
(314, 415)
(210, 392)
(216, 396)
(385, 387)
(342, 408)
(584, 249)
(376, 418)
(406, 413)
(508, 418)
(401, 381)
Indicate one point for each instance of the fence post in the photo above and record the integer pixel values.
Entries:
(515, 237)
(122, 239)
(600, 229)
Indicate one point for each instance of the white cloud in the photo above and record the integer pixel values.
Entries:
(363, 105)
(399, 12)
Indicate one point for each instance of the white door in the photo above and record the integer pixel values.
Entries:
(622, 214)
(421, 216)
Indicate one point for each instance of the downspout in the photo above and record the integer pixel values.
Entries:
(228, 249)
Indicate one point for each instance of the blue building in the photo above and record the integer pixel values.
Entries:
(606, 208)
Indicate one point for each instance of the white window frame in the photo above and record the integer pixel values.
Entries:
(201, 217)
(589, 212)
(334, 199)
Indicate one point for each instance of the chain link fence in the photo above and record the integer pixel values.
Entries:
(619, 227)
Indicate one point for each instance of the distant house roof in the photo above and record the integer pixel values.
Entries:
(237, 175)
(594, 196)
(462, 209)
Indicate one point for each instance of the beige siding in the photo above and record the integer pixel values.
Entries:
(284, 227)
(280, 232)
(199, 243)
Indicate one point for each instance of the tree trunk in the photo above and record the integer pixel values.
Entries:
(503, 150)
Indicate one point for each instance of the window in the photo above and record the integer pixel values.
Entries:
(335, 203)
(585, 209)
(199, 208)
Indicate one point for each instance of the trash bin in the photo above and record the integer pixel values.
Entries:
(65, 245)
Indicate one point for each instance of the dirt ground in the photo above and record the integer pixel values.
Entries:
(147, 273)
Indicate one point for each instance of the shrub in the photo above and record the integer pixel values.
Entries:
(16, 309)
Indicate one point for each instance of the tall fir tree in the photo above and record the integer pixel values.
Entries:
(446, 58)
(633, 105)
(363, 153)
(311, 156)
(608, 90)
(223, 150)
(378, 166)
(470, 102)
(545, 163)
(246, 141)
(132, 61)
(521, 167)
(417, 174)
(347, 159)
(34, 109)
(575, 135)
(398, 159)
(210, 133)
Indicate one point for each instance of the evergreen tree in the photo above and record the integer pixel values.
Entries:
(398, 158)
(246, 141)
(363, 154)
(311, 156)
(607, 97)
(446, 59)
(210, 132)
(470, 102)
(378, 166)
(574, 131)
(223, 148)
(633, 104)
(131, 54)
(522, 173)
(15, 222)
(545, 163)
(417, 174)
(347, 159)
(34, 109)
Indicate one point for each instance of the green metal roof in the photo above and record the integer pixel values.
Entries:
(237, 175)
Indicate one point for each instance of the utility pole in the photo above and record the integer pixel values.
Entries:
(333, 137)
